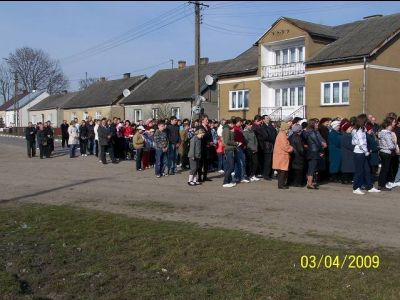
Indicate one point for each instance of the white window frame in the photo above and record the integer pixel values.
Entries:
(237, 95)
(178, 112)
(155, 112)
(296, 96)
(98, 115)
(136, 120)
(73, 116)
(85, 115)
(340, 82)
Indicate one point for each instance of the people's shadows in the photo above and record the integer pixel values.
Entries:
(53, 189)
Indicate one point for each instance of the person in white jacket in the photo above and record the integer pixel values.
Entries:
(96, 138)
(73, 139)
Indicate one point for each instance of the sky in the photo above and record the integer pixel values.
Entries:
(107, 39)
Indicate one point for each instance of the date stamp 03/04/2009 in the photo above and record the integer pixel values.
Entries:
(340, 262)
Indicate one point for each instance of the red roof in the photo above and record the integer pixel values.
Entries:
(11, 101)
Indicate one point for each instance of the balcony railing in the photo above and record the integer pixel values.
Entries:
(283, 71)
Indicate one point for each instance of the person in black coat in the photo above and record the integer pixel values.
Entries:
(42, 141)
(49, 140)
(298, 158)
(83, 138)
(64, 134)
(347, 157)
(30, 136)
(105, 141)
(206, 143)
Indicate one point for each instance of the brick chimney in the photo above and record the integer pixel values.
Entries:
(203, 60)
(127, 75)
(181, 64)
(102, 79)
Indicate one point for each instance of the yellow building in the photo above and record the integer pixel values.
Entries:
(101, 100)
(311, 70)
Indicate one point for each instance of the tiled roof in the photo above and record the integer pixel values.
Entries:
(103, 93)
(246, 62)
(54, 101)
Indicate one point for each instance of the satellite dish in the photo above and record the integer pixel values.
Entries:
(126, 92)
(196, 109)
(209, 80)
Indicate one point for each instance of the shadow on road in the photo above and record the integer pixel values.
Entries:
(52, 189)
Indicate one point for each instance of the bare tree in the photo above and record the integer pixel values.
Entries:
(164, 111)
(85, 83)
(6, 83)
(37, 70)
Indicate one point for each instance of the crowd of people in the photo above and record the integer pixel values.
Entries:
(299, 152)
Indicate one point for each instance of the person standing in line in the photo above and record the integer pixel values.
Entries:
(334, 141)
(396, 182)
(281, 156)
(64, 134)
(297, 163)
(269, 134)
(105, 141)
(194, 156)
(30, 136)
(251, 151)
(42, 141)
(128, 135)
(387, 148)
(346, 149)
(138, 144)
(362, 175)
(206, 143)
(83, 137)
(240, 158)
(91, 137)
(174, 141)
(315, 152)
(161, 147)
(73, 136)
(96, 137)
(228, 138)
(49, 148)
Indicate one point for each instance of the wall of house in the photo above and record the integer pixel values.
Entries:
(24, 113)
(106, 112)
(313, 94)
(390, 55)
(251, 83)
(185, 108)
(52, 115)
(383, 92)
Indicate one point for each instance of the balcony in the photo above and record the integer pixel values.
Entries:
(285, 71)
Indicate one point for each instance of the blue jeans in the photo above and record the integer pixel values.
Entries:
(240, 164)
(172, 157)
(229, 165)
(161, 161)
(362, 174)
(220, 161)
(397, 179)
(72, 149)
(91, 146)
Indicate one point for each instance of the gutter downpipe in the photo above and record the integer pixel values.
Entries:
(364, 86)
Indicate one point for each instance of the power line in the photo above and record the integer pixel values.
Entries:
(229, 30)
(123, 35)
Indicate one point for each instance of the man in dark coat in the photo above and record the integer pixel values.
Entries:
(64, 134)
(49, 134)
(206, 143)
(105, 142)
(298, 157)
(266, 135)
(174, 140)
(30, 136)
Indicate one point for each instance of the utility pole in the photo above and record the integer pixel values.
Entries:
(172, 64)
(197, 5)
(15, 98)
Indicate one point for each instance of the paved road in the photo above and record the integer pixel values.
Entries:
(331, 215)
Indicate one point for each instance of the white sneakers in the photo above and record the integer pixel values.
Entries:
(221, 172)
(254, 178)
(229, 185)
(389, 185)
(244, 181)
(396, 184)
(358, 192)
(374, 190)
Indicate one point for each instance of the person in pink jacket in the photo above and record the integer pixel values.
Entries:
(281, 156)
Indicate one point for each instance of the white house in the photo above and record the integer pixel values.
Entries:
(22, 106)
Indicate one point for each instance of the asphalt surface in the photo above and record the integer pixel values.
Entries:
(329, 216)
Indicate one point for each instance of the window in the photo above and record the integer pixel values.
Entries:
(335, 93)
(293, 55)
(278, 57)
(137, 113)
(34, 119)
(285, 56)
(175, 112)
(155, 113)
(300, 95)
(239, 100)
(284, 97)
(277, 98)
(345, 92)
(301, 54)
(73, 115)
(98, 115)
(85, 115)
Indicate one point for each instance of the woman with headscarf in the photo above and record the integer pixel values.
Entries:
(281, 156)
(334, 141)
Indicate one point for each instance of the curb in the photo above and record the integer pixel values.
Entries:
(22, 137)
